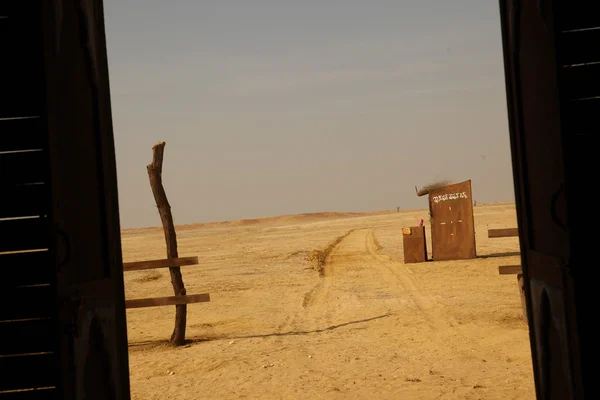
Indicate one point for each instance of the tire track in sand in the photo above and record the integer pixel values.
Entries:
(437, 318)
(326, 270)
(318, 293)
(444, 325)
(350, 286)
(356, 259)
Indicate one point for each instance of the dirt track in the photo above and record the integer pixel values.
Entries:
(370, 327)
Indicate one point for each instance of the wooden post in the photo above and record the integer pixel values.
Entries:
(521, 282)
(164, 210)
(414, 243)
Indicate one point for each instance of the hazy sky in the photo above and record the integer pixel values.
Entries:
(272, 107)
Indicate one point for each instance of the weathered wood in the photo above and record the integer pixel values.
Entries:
(28, 372)
(167, 301)
(164, 210)
(521, 283)
(504, 232)
(24, 160)
(551, 169)
(414, 244)
(166, 263)
(509, 269)
(516, 270)
(53, 64)
(37, 394)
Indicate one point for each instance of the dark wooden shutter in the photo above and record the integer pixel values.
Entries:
(62, 318)
(29, 329)
(552, 114)
(84, 201)
(578, 49)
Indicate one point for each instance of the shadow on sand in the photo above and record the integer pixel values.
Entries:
(506, 254)
(158, 343)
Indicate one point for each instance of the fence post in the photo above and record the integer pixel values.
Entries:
(521, 283)
(164, 210)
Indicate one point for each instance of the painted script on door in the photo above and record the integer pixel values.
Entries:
(451, 196)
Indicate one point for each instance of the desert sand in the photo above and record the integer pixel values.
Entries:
(367, 327)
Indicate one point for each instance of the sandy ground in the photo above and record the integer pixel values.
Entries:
(370, 328)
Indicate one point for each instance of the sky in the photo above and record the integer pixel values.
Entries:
(276, 107)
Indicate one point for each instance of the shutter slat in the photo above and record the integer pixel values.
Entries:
(24, 201)
(579, 47)
(32, 268)
(22, 94)
(19, 8)
(24, 234)
(23, 167)
(21, 44)
(28, 372)
(43, 394)
(26, 337)
(577, 14)
(581, 81)
(23, 100)
(22, 134)
(581, 117)
(28, 303)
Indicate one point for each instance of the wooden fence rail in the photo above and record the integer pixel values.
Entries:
(504, 232)
(167, 301)
(165, 263)
(164, 301)
(511, 269)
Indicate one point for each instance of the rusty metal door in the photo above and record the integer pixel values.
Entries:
(452, 223)
(553, 87)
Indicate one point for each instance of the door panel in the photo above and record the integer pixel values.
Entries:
(452, 223)
(537, 100)
(85, 201)
(29, 329)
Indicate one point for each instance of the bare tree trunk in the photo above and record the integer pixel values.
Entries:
(164, 209)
